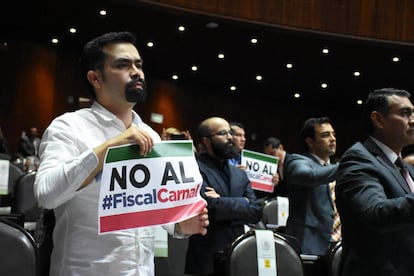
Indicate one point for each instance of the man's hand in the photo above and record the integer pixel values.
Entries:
(241, 167)
(275, 179)
(211, 193)
(195, 225)
(132, 135)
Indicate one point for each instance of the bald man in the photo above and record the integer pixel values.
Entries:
(231, 200)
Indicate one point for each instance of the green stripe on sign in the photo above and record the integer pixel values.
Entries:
(261, 157)
(159, 150)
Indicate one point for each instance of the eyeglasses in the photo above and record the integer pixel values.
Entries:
(223, 133)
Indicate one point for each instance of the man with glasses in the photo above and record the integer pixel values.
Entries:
(375, 194)
(231, 201)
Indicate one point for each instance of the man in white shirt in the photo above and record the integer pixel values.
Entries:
(72, 154)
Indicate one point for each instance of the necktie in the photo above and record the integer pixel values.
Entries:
(336, 228)
(404, 172)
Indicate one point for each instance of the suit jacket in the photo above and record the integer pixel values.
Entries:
(311, 208)
(227, 214)
(377, 214)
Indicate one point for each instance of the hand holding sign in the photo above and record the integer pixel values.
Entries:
(195, 225)
(261, 170)
(162, 187)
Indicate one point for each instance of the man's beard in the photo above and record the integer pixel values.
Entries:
(223, 150)
(133, 94)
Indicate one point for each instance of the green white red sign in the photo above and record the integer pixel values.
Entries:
(260, 169)
(162, 187)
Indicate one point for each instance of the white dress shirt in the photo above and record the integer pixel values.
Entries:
(67, 159)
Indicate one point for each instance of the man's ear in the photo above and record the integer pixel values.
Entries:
(206, 141)
(377, 119)
(94, 78)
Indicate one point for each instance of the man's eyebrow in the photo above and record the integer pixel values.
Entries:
(125, 59)
(407, 108)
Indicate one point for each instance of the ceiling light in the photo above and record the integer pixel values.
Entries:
(357, 73)
(150, 44)
(181, 28)
(194, 68)
(359, 102)
(72, 30)
(54, 40)
(233, 88)
(174, 77)
(103, 12)
(325, 51)
(324, 85)
(296, 95)
(395, 59)
(253, 40)
(212, 25)
(289, 65)
(259, 78)
(220, 55)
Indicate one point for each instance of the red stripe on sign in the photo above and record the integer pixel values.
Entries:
(262, 187)
(149, 218)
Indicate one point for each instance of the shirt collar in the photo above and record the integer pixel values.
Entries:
(391, 155)
(106, 115)
(322, 162)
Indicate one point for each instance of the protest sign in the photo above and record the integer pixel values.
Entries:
(260, 169)
(160, 188)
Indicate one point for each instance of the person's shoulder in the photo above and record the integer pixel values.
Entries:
(357, 155)
(73, 114)
(296, 157)
(70, 119)
(356, 149)
(203, 160)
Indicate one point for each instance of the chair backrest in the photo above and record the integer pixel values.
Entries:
(241, 257)
(270, 210)
(20, 252)
(14, 175)
(335, 260)
(24, 200)
(5, 156)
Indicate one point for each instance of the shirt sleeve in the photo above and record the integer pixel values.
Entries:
(64, 167)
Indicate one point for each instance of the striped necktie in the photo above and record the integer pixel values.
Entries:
(404, 172)
(336, 228)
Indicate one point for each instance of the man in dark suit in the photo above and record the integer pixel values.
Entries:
(230, 199)
(311, 208)
(374, 199)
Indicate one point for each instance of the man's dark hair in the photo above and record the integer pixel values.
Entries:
(273, 141)
(308, 129)
(378, 100)
(93, 57)
(237, 124)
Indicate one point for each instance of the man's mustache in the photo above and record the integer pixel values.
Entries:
(134, 82)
